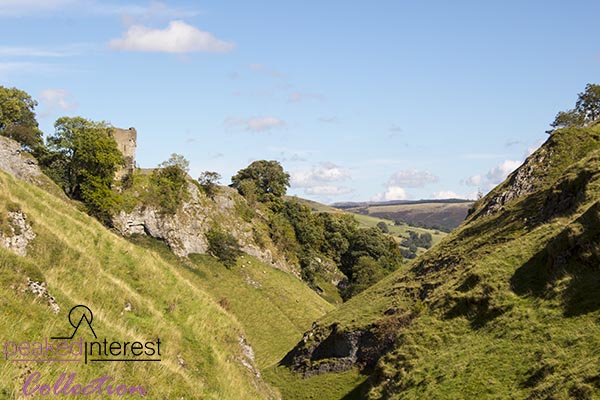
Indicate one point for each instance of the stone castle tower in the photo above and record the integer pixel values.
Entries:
(126, 142)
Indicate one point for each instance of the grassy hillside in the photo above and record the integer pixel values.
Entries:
(204, 314)
(504, 307)
(274, 307)
(433, 215)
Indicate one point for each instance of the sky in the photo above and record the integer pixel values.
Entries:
(358, 100)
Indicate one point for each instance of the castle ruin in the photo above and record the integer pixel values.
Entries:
(126, 142)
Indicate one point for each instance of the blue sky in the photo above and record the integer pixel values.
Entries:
(358, 100)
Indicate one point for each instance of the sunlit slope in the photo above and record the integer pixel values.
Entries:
(274, 307)
(83, 263)
(504, 307)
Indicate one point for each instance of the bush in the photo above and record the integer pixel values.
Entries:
(223, 246)
(383, 227)
(170, 187)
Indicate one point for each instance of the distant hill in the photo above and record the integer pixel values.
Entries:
(444, 215)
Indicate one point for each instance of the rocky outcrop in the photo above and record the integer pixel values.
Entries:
(332, 349)
(16, 233)
(18, 163)
(41, 291)
(185, 231)
(520, 183)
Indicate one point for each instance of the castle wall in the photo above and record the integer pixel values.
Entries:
(126, 142)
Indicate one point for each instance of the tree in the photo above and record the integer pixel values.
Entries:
(567, 118)
(17, 118)
(209, 180)
(176, 160)
(586, 111)
(169, 183)
(588, 103)
(365, 273)
(269, 178)
(83, 158)
(383, 227)
(223, 246)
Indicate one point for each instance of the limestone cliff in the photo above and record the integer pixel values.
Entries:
(185, 231)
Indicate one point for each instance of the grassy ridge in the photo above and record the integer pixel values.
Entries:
(507, 305)
(83, 263)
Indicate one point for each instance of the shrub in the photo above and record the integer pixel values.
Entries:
(170, 187)
(223, 246)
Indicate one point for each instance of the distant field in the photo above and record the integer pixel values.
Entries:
(445, 216)
(368, 221)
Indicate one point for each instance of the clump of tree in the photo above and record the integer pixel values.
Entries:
(17, 119)
(82, 158)
(209, 181)
(311, 238)
(363, 255)
(414, 241)
(169, 183)
(223, 246)
(262, 181)
(586, 111)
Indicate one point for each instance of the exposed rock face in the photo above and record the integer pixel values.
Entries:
(19, 233)
(520, 183)
(17, 163)
(328, 349)
(185, 231)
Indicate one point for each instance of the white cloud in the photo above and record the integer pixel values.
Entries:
(395, 187)
(474, 180)
(501, 171)
(449, 194)
(494, 176)
(178, 37)
(324, 172)
(391, 193)
(56, 99)
(320, 179)
(255, 124)
(327, 190)
(411, 178)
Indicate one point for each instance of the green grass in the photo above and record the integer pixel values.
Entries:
(368, 221)
(508, 304)
(274, 307)
(83, 263)
(345, 385)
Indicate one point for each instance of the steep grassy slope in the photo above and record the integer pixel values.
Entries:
(273, 307)
(83, 263)
(505, 307)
